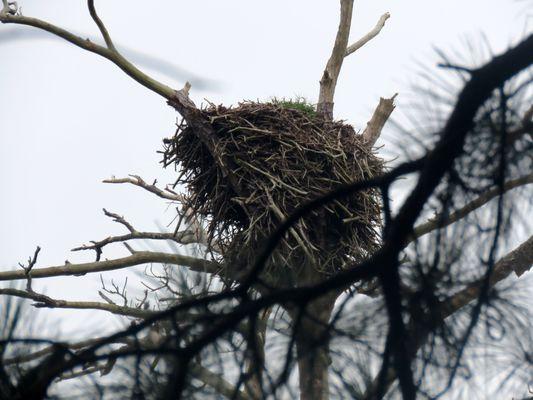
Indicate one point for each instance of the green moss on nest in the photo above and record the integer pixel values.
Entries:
(298, 103)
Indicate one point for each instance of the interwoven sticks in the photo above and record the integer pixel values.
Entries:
(279, 158)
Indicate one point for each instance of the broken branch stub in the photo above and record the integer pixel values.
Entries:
(379, 119)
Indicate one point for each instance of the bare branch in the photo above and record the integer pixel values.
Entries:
(8, 16)
(139, 258)
(339, 52)
(379, 118)
(138, 181)
(369, 36)
(333, 67)
(31, 262)
(43, 301)
(184, 237)
(101, 26)
(119, 219)
(441, 221)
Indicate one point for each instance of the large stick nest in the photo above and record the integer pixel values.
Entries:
(276, 158)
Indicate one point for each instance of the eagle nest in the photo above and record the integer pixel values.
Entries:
(266, 160)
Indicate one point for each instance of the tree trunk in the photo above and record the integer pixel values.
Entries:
(312, 347)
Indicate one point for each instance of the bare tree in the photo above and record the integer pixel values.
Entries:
(309, 266)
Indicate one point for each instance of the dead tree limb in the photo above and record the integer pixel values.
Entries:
(328, 82)
(379, 119)
(138, 258)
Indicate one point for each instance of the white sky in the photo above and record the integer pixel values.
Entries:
(69, 119)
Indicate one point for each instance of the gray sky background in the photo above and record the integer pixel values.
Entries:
(69, 119)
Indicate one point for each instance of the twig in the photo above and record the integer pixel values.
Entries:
(31, 262)
(182, 237)
(101, 26)
(138, 181)
(119, 219)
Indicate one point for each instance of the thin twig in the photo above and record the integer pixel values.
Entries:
(101, 26)
(138, 181)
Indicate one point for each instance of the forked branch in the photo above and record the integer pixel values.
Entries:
(328, 82)
(101, 26)
(9, 16)
(152, 188)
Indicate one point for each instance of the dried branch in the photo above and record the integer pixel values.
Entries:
(328, 82)
(183, 237)
(43, 301)
(369, 36)
(379, 118)
(339, 52)
(119, 219)
(31, 262)
(139, 258)
(441, 221)
(138, 181)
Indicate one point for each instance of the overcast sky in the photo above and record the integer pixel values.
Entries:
(69, 119)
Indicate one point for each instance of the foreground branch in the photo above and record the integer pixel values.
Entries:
(441, 221)
(518, 261)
